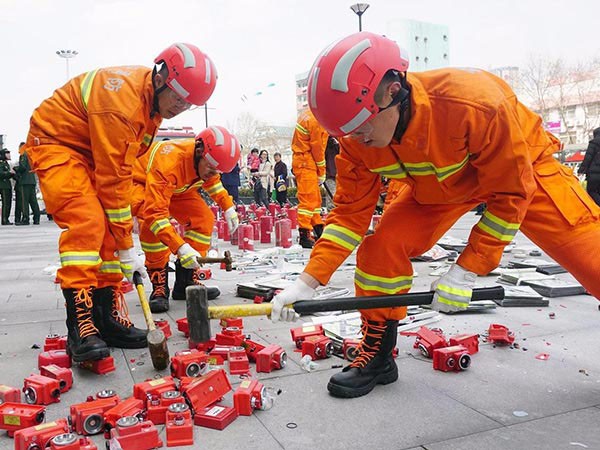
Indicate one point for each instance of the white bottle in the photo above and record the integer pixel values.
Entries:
(213, 250)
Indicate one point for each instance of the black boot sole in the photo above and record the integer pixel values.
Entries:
(350, 392)
(159, 306)
(116, 343)
(92, 355)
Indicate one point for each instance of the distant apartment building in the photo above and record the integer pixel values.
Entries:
(427, 44)
(301, 88)
(569, 106)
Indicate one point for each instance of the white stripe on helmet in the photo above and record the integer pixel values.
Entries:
(188, 57)
(219, 137)
(212, 161)
(233, 146)
(356, 121)
(174, 84)
(313, 93)
(339, 80)
(207, 71)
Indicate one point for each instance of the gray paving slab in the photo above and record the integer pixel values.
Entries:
(425, 409)
(572, 430)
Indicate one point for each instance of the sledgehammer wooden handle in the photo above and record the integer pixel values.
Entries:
(347, 303)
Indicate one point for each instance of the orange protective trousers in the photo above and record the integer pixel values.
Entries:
(561, 219)
(86, 246)
(309, 198)
(189, 209)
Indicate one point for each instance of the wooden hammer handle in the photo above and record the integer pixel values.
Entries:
(139, 286)
(347, 303)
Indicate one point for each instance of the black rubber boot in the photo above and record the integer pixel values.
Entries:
(373, 365)
(110, 313)
(317, 231)
(159, 298)
(188, 277)
(83, 342)
(306, 241)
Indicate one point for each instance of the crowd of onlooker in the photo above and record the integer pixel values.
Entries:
(268, 179)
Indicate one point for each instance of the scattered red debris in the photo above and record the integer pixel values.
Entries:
(542, 356)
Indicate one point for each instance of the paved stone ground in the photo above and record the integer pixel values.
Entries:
(425, 409)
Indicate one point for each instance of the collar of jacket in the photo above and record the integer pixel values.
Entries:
(417, 132)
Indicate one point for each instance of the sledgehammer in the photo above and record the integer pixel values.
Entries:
(199, 313)
(157, 342)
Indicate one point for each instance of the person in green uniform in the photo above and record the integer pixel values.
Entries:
(26, 191)
(18, 200)
(5, 186)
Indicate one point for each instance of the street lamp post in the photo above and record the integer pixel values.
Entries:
(359, 9)
(67, 55)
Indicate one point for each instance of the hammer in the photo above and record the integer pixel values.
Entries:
(199, 313)
(226, 260)
(157, 342)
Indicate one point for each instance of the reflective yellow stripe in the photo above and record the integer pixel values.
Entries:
(197, 237)
(187, 187)
(454, 296)
(341, 236)
(216, 188)
(305, 212)
(427, 168)
(118, 215)
(153, 151)
(392, 171)
(500, 229)
(86, 87)
(159, 224)
(80, 259)
(301, 129)
(110, 267)
(147, 139)
(386, 285)
(152, 247)
(321, 163)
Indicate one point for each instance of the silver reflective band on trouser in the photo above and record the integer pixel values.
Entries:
(386, 285)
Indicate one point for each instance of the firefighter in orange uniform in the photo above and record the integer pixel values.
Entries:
(308, 165)
(166, 183)
(455, 138)
(82, 143)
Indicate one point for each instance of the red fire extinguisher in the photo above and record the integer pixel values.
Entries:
(283, 233)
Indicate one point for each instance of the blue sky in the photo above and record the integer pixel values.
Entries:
(260, 42)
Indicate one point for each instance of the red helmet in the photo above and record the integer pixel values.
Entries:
(345, 76)
(192, 74)
(221, 148)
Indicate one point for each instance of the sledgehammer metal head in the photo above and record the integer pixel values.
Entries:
(226, 260)
(199, 313)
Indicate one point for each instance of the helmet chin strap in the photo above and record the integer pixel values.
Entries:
(157, 91)
(403, 98)
(198, 152)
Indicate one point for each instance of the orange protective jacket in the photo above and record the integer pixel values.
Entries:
(468, 139)
(308, 145)
(169, 169)
(106, 115)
